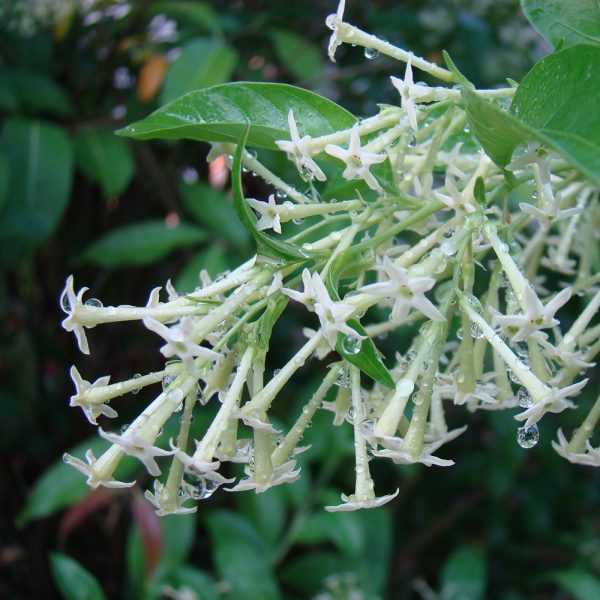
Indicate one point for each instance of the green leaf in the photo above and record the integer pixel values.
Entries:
(61, 485)
(266, 512)
(105, 159)
(198, 581)
(578, 583)
(199, 14)
(266, 245)
(39, 93)
(573, 21)
(202, 63)
(558, 98)
(4, 179)
(224, 112)
(554, 105)
(342, 529)
(73, 581)
(464, 574)
(213, 208)
(142, 243)
(241, 557)
(307, 572)
(179, 533)
(301, 58)
(41, 166)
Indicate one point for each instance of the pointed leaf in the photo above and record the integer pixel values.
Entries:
(222, 114)
(464, 574)
(73, 581)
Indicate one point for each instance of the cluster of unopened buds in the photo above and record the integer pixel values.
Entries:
(443, 249)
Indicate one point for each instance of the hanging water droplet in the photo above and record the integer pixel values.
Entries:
(168, 380)
(412, 354)
(351, 344)
(527, 437)
(252, 154)
(371, 53)
(124, 428)
(280, 194)
(417, 398)
(136, 390)
(350, 415)
(307, 173)
(245, 169)
(534, 194)
(459, 333)
(369, 424)
(511, 375)
(476, 331)
(93, 303)
(66, 458)
(449, 247)
(524, 398)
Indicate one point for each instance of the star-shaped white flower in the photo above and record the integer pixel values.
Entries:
(323, 348)
(282, 474)
(179, 343)
(92, 410)
(567, 358)
(334, 21)
(423, 189)
(555, 401)
(551, 213)
(298, 150)
(269, 214)
(94, 478)
(406, 290)
(455, 200)
(72, 304)
(157, 499)
(535, 154)
(452, 168)
(590, 458)
(358, 162)
(352, 502)
(308, 295)
(332, 315)
(537, 316)
(409, 93)
(133, 445)
(202, 468)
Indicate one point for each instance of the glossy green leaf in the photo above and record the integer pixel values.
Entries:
(201, 64)
(301, 58)
(41, 168)
(240, 556)
(574, 21)
(579, 584)
(224, 112)
(61, 485)
(554, 105)
(464, 573)
(199, 14)
(105, 159)
(142, 243)
(266, 244)
(213, 208)
(73, 581)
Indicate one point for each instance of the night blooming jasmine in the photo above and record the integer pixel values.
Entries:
(468, 250)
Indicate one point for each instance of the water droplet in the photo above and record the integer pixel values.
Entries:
(524, 398)
(459, 333)
(449, 232)
(369, 424)
(280, 194)
(307, 173)
(297, 221)
(342, 378)
(124, 428)
(534, 194)
(511, 375)
(371, 53)
(66, 458)
(476, 331)
(245, 169)
(351, 345)
(168, 380)
(350, 415)
(460, 375)
(527, 437)
(417, 398)
(136, 390)
(466, 129)
(412, 354)
(64, 302)
(93, 303)
(449, 247)
(252, 154)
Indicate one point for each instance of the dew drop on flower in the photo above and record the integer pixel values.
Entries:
(448, 247)
(124, 428)
(64, 302)
(297, 221)
(280, 194)
(527, 437)
(342, 378)
(168, 380)
(411, 355)
(351, 345)
(476, 331)
(371, 53)
(307, 173)
(136, 390)
(459, 333)
(524, 398)
(93, 303)
(417, 398)
(350, 415)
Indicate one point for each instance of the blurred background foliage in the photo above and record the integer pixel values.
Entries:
(124, 217)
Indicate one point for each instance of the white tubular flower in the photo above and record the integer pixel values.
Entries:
(334, 21)
(409, 93)
(535, 154)
(555, 401)
(72, 304)
(590, 458)
(332, 315)
(269, 214)
(423, 189)
(452, 168)
(98, 474)
(157, 499)
(133, 445)
(455, 200)
(357, 161)
(549, 214)
(276, 284)
(406, 290)
(205, 469)
(538, 316)
(92, 410)
(308, 295)
(179, 342)
(353, 503)
(567, 358)
(298, 150)
(282, 474)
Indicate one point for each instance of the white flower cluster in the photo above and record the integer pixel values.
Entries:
(417, 241)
